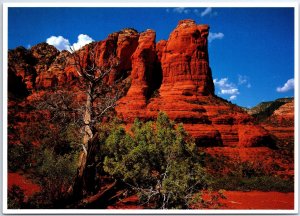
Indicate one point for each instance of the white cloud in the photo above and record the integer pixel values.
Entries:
(59, 42)
(213, 36)
(83, 39)
(62, 43)
(222, 83)
(230, 91)
(226, 88)
(289, 85)
(181, 10)
(233, 97)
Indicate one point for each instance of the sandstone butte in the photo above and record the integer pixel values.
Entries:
(171, 75)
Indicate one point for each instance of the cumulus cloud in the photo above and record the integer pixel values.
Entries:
(83, 39)
(233, 97)
(59, 42)
(289, 85)
(226, 88)
(213, 36)
(230, 91)
(62, 43)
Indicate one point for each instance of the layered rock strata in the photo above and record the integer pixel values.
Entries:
(186, 92)
(171, 75)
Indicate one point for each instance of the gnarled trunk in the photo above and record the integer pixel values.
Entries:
(84, 180)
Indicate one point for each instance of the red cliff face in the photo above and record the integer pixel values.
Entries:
(185, 60)
(172, 76)
(21, 67)
(143, 61)
(186, 92)
(281, 122)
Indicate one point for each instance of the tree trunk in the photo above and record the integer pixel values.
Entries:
(83, 183)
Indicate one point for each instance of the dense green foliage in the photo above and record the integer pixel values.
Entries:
(20, 156)
(15, 197)
(52, 163)
(56, 174)
(158, 161)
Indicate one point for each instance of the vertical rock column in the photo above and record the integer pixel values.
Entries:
(143, 63)
(185, 62)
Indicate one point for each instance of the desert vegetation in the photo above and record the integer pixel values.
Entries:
(156, 160)
(90, 130)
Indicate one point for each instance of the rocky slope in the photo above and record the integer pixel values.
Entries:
(264, 110)
(171, 75)
(276, 116)
(281, 123)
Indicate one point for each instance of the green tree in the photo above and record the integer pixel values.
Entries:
(158, 161)
(55, 173)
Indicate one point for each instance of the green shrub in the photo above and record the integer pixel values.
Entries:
(158, 161)
(261, 183)
(20, 156)
(55, 173)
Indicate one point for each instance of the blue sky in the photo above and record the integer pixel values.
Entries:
(251, 49)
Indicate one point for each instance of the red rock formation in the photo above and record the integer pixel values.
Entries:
(21, 66)
(55, 74)
(187, 92)
(281, 122)
(185, 61)
(143, 60)
(172, 76)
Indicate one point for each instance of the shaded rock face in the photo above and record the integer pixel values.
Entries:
(145, 74)
(281, 122)
(21, 66)
(171, 75)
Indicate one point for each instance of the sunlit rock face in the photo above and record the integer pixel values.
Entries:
(185, 90)
(171, 75)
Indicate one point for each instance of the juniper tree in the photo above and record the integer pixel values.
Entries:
(158, 161)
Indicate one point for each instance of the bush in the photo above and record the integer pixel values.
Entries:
(55, 173)
(20, 156)
(54, 164)
(157, 161)
(261, 183)
(15, 198)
